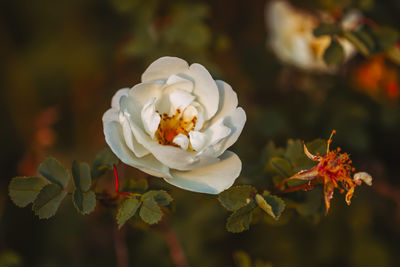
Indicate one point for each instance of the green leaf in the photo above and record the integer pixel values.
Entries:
(236, 196)
(105, 160)
(334, 54)
(295, 154)
(53, 171)
(361, 40)
(127, 209)
(326, 29)
(161, 197)
(81, 175)
(135, 186)
(272, 205)
(48, 200)
(84, 202)
(240, 219)
(150, 212)
(317, 146)
(24, 190)
(282, 166)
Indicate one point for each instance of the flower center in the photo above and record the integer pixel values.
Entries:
(171, 126)
(335, 166)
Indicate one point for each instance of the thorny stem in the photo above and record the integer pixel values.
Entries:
(175, 247)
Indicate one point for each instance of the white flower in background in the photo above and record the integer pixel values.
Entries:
(177, 124)
(292, 40)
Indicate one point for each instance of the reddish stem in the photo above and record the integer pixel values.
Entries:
(116, 179)
(370, 22)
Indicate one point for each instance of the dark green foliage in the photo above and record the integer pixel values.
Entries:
(83, 198)
(24, 190)
(53, 171)
(150, 211)
(327, 29)
(48, 201)
(135, 186)
(334, 54)
(236, 196)
(275, 205)
(240, 219)
(105, 160)
(127, 209)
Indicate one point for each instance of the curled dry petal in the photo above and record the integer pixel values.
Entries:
(362, 177)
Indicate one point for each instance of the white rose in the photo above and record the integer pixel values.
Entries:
(177, 124)
(292, 40)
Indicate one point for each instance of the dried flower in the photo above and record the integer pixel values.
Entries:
(333, 171)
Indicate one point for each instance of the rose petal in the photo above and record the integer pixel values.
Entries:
(236, 123)
(182, 141)
(150, 118)
(164, 67)
(117, 96)
(179, 82)
(110, 115)
(142, 92)
(212, 179)
(205, 89)
(115, 139)
(216, 132)
(130, 140)
(180, 99)
(228, 101)
(197, 140)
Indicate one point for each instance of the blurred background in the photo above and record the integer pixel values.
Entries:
(61, 62)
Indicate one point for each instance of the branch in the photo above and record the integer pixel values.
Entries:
(175, 248)
(121, 251)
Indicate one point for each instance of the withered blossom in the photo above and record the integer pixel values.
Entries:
(333, 170)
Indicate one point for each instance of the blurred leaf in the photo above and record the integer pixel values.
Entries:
(150, 212)
(334, 54)
(366, 4)
(242, 259)
(48, 200)
(240, 219)
(272, 205)
(386, 37)
(236, 196)
(326, 29)
(24, 190)
(84, 202)
(135, 186)
(312, 204)
(161, 197)
(105, 160)
(295, 154)
(260, 263)
(361, 40)
(394, 54)
(127, 209)
(272, 151)
(9, 258)
(317, 146)
(53, 171)
(282, 166)
(81, 175)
